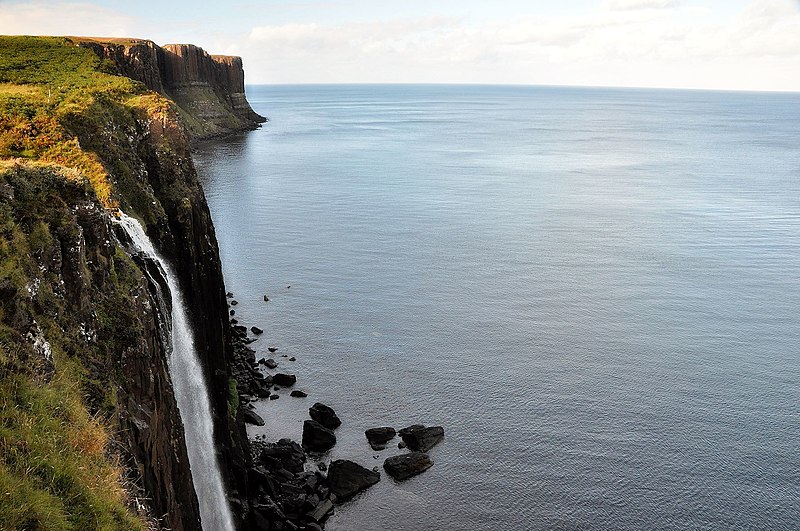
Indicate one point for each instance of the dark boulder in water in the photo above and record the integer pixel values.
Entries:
(421, 439)
(251, 417)
(347, 478)
(284, 380)
(402, 467)
(256, 330)
(378, 437)
(317, 437)
(324, 415)
(298, 394)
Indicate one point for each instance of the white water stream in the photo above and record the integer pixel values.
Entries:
(191, 395)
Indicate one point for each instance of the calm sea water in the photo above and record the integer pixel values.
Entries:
(596, 292)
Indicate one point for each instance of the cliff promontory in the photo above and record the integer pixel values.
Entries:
(90, 435)
(208, 89)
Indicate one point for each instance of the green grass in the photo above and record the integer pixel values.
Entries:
(61, 103)
(54, 471)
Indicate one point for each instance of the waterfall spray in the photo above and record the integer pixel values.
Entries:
(191, 394)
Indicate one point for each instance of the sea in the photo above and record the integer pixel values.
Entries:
(595, 291)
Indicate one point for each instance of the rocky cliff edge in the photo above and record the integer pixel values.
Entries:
(208, 89)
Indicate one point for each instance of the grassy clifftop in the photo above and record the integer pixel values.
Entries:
(52, 92)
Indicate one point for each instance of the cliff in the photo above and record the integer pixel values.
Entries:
(78, 319)
(208, 89)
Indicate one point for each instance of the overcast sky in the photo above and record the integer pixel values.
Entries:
(722, 44)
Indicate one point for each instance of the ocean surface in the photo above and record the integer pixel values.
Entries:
(595, 291)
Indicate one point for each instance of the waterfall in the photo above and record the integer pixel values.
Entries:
(191, 394)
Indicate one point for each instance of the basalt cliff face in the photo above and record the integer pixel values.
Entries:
(78, 312)
(208, 89)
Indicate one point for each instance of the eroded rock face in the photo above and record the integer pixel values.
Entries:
(136, 59)
(209, 88)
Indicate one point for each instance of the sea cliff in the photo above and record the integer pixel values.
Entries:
(87, 127)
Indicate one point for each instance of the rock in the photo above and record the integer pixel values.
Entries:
(298, 394)
(320, 512)
(284, 380)
(232, 312)
(266, 299)
(322, 466)
(409, 429)
(324, 415)
(234, 303)
(271, 363)
(401, 445)
(239, 329)
(347, 478)
(234, 321)
(317, 437)
(256, 330)
(421, 439)
(402, 467)
(272, 349)
(378, 437)
(229, 295)
(251, 417)
(292, 359)
(274, 397)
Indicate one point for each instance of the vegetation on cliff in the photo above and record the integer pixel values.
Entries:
(51, 91)
(88, 422)
(58, 467)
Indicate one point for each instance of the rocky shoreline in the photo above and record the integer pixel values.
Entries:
(291, 487)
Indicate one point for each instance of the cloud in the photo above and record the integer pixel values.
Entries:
(63, 18)
(656, 41)
(632, 5)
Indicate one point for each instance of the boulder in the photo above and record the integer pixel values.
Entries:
(404, 466)
(378, 437)
(271, 363)
(251, 417)
(272, 349)
(256, 330)
(321, 511)
(284, 380)
(317, 437)
(266, 299)
(346, 478)
(421, 439)
(324, 415)
(298, 394)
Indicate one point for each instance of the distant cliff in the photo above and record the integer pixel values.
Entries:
(208, 89)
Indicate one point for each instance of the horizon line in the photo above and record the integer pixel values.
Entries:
(522, 85)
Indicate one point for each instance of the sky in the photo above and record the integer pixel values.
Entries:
(702, 44)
